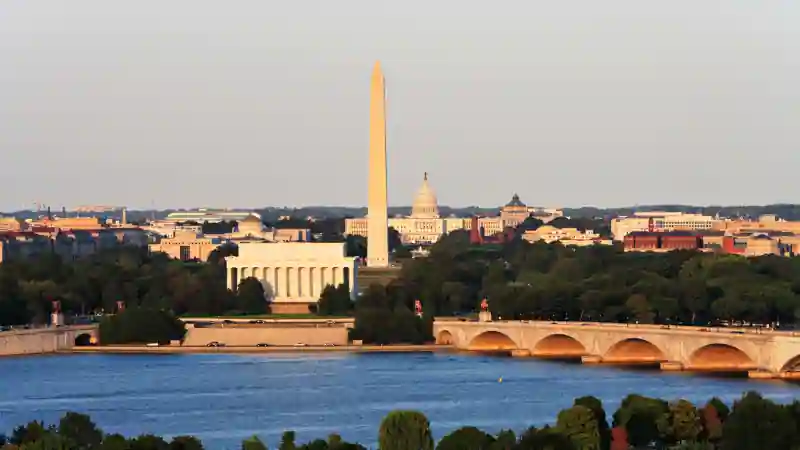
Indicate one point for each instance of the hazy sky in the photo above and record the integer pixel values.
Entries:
(265, 103)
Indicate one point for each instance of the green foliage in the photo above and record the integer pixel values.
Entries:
(25, 434)
(253, 443)
(405, 430)
(684, 422)
(643, 418)
(115, 442)
(601, 283)
(596, 406)
(97, 282)
(80, 429)
(287, 441)
(756, 422)
(140, 326)
(250, 297)
(185, 443)
(466, 438)
(148, 442)
(640, 422)
(334, 301)
(579, 425)
(385, 315)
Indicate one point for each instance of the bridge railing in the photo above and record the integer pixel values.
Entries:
(647, 326)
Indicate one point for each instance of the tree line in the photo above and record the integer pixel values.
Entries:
(602, 283)
(133, 276)
(753, 423)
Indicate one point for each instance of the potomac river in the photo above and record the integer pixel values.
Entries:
(224, 398)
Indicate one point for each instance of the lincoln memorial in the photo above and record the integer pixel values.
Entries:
(293, 273)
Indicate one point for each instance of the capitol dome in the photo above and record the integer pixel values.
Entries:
(425, 205)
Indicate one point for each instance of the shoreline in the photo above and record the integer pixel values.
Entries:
(167, 349)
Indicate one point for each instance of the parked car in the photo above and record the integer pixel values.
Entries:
(215, 344)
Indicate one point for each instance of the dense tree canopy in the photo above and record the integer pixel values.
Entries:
(96, 283)
(640, 422)
(602, 283)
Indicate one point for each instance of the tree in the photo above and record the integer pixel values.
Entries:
(640, 308)
(334, 301)
(253, 443)
(80, 429)
(115, 442)
(141, 326)
(148, 442)
(643, 419)
(466, 438)
(405, 430)
(596, 406)
(579, 425)
(25, 434)
(185, 443)
(758, 423)
(683, 422)
(287, 441)
(250, 297)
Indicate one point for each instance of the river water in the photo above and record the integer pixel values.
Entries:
(224, 398)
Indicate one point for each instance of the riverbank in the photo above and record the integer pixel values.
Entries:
(168, 349)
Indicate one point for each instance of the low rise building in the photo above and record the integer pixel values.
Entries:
(660, 221)
(187, 246)
(566, 236)
(666, 241)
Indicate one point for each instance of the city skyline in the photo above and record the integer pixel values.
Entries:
(567, 106)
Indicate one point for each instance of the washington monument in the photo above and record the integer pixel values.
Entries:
(377, 207)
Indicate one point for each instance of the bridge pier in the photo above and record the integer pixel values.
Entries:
(520, 353)
(761, 375)
(671, 366)
(591, 359)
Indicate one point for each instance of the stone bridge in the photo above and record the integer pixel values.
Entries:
(764, 354)
(46, 340)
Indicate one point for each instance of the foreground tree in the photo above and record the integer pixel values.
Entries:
(253, 443)
(466, 438)
(80, 429)
(141, 326)
(579, 425)
(756, 422)
(405, 430)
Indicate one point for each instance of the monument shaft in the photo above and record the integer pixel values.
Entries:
(377, 207)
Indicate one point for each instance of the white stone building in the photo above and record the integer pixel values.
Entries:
(293, 273)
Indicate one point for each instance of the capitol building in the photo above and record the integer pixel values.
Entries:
(425, 225)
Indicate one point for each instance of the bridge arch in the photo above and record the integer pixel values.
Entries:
(720, 357)
(492, 341)
(634, 350)
(445, 337)
(792, 365)
(559, 345)
(83, 339)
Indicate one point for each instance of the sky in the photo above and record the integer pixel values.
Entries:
(253, 103)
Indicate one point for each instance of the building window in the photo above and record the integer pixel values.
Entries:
(185, 253)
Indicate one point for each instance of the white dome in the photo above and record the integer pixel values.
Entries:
(425, 205)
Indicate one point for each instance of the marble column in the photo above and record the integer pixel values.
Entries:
(277, 281)
(312, 284)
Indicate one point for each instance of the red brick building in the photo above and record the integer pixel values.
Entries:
(662, 241)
